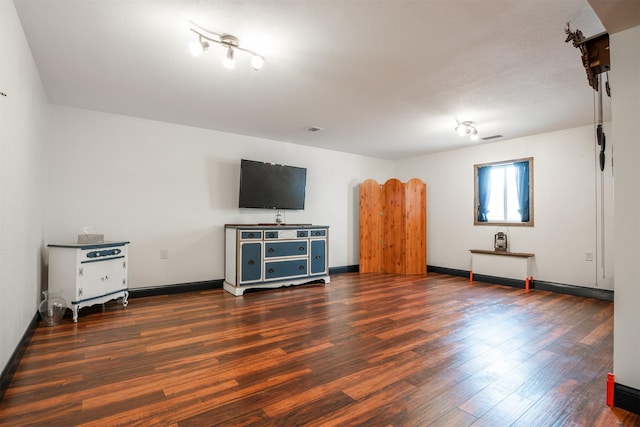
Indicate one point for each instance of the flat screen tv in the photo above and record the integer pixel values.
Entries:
(271, 186)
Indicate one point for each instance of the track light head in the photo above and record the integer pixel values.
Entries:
(198, 47)
(228, 62)
(257, 62)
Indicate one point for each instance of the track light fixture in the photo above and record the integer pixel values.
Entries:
(227, 41)
(467, 128)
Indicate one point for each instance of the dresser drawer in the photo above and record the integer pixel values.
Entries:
(291, 268)
(250, 235)
(285, 249)
(318, 233)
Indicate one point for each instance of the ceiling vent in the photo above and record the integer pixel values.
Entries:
(487, 138)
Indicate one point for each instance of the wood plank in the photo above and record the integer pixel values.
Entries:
(370, 227)
(365, 349)
(393, 235)
(415, 227)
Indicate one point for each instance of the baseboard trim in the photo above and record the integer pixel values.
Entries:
(601, 294)
(561, 288)
(207, 284)
(580, 291)
(345, 269)
(447, 271)
(627, 398)
(175, 289)
(505, 281)
(12, 365)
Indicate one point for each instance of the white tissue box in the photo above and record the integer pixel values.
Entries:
(84, 239)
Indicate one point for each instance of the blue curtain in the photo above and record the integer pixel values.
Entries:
(522, 189)
(484, 191)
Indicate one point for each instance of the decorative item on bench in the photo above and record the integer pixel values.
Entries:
(89, 236)
(500, 241)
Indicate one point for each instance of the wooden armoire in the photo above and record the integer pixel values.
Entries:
(393, 227)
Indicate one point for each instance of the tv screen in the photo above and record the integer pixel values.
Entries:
(271, 186)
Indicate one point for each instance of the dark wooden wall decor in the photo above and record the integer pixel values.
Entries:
(596, 60)
(393, 227)
(594, 52)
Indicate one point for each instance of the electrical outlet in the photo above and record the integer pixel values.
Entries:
(164, 253)
(588, 256)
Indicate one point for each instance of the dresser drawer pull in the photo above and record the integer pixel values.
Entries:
(301, 248)
(251, 262)
(270, 250)
(271, 270)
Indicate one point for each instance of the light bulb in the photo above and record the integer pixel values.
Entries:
(474, 135)
(198, 47)
(229, 62)
(257, 62)
(195, 48)
(462, 130)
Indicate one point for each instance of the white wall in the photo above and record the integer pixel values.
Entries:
(166, 186)
(566, 214)
(23, 118)
(625, 82)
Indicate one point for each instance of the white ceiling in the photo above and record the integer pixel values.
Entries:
(384, 78)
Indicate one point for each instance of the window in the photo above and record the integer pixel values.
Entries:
(504, 193)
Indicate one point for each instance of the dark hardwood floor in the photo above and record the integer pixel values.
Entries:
(366, 349)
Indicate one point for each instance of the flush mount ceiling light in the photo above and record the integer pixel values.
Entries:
(467, 128)
(228, 42)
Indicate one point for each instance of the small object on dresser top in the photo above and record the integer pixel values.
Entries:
(85, 239)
